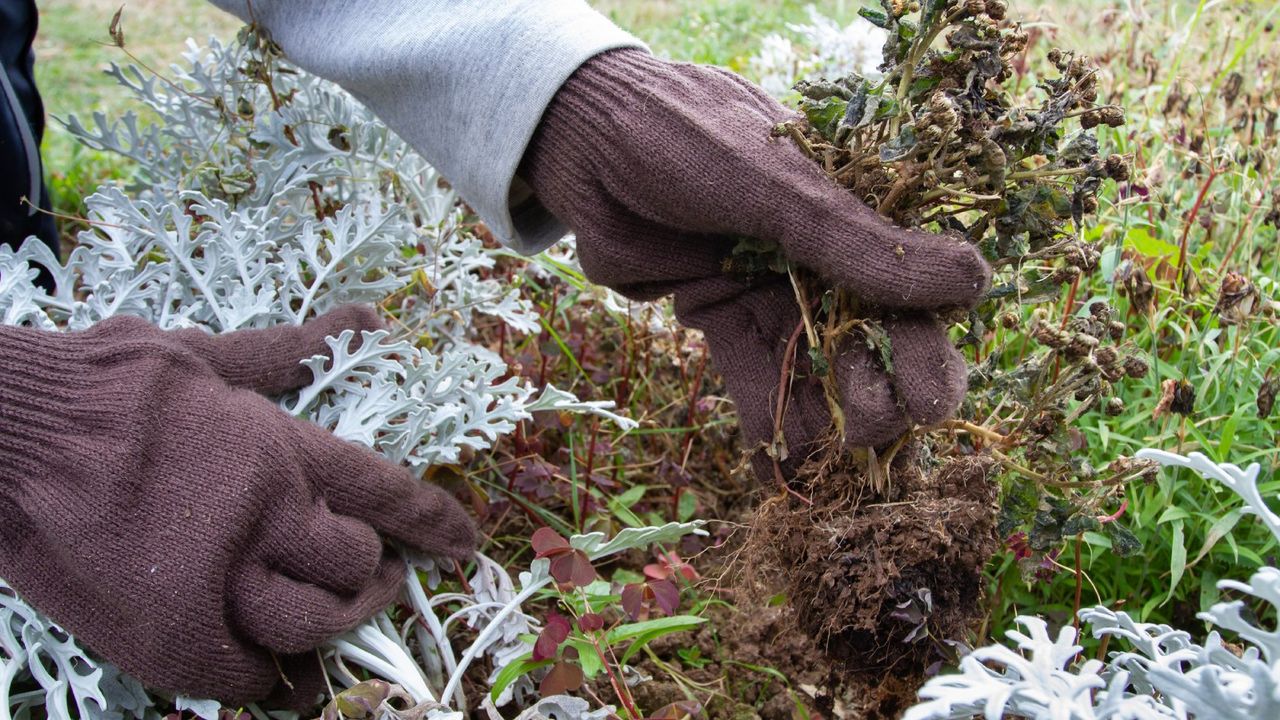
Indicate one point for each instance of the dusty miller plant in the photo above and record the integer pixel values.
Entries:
(1165, 673)
(820, 47)
(263, 195)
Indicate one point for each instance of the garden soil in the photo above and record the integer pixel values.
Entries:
(824, 594)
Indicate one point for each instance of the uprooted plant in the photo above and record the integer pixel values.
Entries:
(960, 135)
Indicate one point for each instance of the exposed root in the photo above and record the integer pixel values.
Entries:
(880, 579)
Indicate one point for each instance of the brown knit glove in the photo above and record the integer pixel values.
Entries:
(659, 167)
(179, 523)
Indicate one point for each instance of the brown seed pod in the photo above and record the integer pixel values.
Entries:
(1111, 116)
(1136, 285)
(1237, 298)
(1267, 393)
(1081, 344)
(1135, 367)
(1176, 396)
(1117, 168)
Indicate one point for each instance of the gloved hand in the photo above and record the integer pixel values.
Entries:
(179, 523)
(659, 167)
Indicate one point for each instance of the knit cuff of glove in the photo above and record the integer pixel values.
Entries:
(580, 120)
(45, 389)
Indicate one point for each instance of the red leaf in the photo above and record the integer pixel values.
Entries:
(590, 622)
(675, 563)
(655, 571)
(562, 678)
(572, 568)
(633, 600)
(583, 571)
(554, 633)
(665, 595)
(548, 542)
(562, 569)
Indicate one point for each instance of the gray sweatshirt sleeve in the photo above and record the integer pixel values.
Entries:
(464, 82)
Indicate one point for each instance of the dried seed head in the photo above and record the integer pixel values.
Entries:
(1231, 89)
(1176, 396)
(1136, 285)
(1045, 423)
(1113, 373)
(1111, 116)
(1267, 394)
(1084, 258)
(1135, 367)
(1115, 406)
(1051, 336)
(1116, 330)
(1081, 345)
(1117, 168)
(1237, 298)
(975, 7)
(1009, 321)
(1015, 41)
(1091, 119)
(1105, 356)
(996, 9)
(1066, 274)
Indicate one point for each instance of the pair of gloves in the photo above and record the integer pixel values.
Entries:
(164, 511)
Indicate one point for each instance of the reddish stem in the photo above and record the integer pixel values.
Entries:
(694, 389)
(619, 689)
(1104, 519)
(1186, 227)
(1066, 317)
(788, 360)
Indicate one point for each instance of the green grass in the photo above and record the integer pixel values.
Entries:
(72, 50)
(721, 32)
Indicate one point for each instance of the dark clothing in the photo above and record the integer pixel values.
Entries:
(21, 128)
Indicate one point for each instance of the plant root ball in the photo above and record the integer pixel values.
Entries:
(857, 565)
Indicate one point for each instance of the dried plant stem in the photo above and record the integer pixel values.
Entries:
(1047, 172)
(978, 430)
(1079, 572)
(830, 391)
(1009, 462)
(780, 409)
(800, 139)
